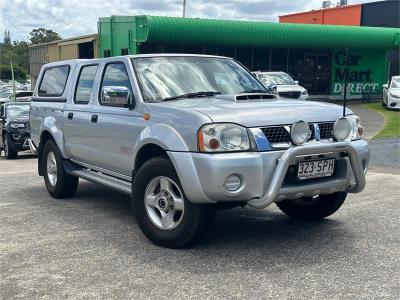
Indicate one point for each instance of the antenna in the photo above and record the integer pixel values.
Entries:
(346, 78)
(184, 9)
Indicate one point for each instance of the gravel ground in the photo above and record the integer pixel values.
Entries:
(385, 155)
(90, 247)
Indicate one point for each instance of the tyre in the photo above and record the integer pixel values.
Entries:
(313, 208)
(59, 184)
(9, 151)
(162, 210)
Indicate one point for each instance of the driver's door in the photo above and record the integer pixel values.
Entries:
(114, 125)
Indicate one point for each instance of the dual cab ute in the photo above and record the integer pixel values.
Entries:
(186, 134)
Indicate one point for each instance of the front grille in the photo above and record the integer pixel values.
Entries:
(279, 134)
(326, 130)
(293, 95)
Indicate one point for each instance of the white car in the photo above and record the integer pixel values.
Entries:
(391, 93)
(281, 83)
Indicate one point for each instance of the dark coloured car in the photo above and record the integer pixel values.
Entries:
(14, 128)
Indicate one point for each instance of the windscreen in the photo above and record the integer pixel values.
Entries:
(164, 77)
(17, 111)
(279, 79)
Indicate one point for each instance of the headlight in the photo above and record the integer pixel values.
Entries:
(300, 132)
(348, 128)
(305, 92)
(357, 130)
(223, 137)
(17, 125)
(395, 96)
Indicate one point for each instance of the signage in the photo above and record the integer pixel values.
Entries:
(367, 71)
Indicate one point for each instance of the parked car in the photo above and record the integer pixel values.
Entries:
(391, 93)
(187, 134)
(14, 128)
(286, 87)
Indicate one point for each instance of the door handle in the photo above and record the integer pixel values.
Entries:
(70, 116)
(94, 118)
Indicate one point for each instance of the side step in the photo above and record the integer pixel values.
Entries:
(109, 181)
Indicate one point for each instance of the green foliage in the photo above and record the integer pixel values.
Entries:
(18, 53)
(43, 35)
(19, 72)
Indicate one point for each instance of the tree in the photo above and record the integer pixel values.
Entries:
(43, 35)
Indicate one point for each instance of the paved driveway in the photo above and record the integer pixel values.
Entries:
(90, 247)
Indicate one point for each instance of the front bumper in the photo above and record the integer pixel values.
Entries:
(264, 174)
(19, 140)
(393, 103)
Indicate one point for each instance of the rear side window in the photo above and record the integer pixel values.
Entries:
(85, 84)
(53, 81)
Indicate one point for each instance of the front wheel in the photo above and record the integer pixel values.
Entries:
(59, 184)
(313, 208)
(9, 151)
(162, 210)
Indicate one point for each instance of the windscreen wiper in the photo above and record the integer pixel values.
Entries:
(193, 95)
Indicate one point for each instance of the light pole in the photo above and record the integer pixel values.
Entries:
(184, 8)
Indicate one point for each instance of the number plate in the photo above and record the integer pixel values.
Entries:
(315, 169)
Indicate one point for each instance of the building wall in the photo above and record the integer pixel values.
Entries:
(55, 51)
(345, 15)
(381, 14)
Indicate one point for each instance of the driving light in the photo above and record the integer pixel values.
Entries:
(299, 132)
(305, 92)
(223, 138)
(395, 95)
(342, 129)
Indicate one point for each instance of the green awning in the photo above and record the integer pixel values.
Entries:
(171, 30)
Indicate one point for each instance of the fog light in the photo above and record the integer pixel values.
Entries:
(233, 183)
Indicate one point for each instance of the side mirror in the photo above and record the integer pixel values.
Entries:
(385, 86)
(296, 82)
(116, 96)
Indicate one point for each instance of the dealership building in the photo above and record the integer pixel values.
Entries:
(313, 54)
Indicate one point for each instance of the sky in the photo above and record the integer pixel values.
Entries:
(79, 17)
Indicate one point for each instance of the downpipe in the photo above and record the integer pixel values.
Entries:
(289, 156)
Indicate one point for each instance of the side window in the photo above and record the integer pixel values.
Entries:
(115, 89)
(53, 81)
(85, 83)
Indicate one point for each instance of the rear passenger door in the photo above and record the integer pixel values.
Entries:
(77, 113)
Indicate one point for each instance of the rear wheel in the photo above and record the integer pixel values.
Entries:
(313, 208)
(162, 210)
(9, 151)
(59, 184)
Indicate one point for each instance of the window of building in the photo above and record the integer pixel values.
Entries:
(54, 81)
(279, 59)
(85, 83)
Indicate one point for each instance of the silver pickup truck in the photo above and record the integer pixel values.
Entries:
(187, 134)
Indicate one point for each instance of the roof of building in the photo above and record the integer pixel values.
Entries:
(173, 30)
(73, 40)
